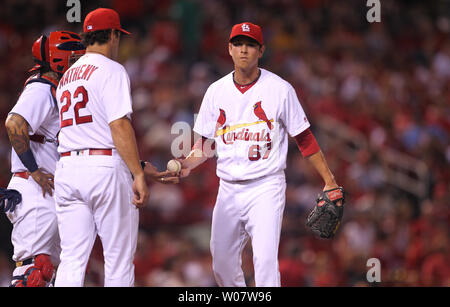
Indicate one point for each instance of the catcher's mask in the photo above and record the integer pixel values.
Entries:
(57, 52)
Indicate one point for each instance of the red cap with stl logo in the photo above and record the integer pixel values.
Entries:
(247, 29)
(102, 19)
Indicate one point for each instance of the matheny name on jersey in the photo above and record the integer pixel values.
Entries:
(84, 72)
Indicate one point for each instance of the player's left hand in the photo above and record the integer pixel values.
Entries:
(332, 186)
(45, 181)
(326, 216)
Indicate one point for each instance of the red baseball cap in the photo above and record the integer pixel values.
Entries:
(247, 29)
(102, 19)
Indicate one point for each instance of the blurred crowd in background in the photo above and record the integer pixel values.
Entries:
(388, 80)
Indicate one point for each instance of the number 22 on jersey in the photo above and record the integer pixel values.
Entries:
(66, 102)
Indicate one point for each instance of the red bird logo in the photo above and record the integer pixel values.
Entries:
(221, 120)
(259, 112)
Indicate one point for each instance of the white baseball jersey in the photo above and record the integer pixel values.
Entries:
(250, 128)
(91, 94)
(36, 105)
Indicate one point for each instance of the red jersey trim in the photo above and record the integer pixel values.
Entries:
(245, 87)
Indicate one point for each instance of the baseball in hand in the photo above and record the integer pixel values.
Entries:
(174, 166)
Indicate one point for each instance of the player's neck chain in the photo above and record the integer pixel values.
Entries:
(251, 83)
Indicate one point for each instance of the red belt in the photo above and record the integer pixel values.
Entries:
(24, 175)
(92, 152)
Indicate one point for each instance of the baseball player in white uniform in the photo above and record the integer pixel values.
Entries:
(99, 181)
(249, 113)
(32, 127)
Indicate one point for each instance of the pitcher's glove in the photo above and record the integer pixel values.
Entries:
(325, 218)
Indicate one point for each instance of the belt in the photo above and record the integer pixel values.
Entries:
(24, 175)
(24, 262)
(92, 152)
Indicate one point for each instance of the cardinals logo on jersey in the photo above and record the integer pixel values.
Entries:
(228, 136)
(259, 112)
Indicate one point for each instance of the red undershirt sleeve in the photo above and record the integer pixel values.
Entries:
(307, 143)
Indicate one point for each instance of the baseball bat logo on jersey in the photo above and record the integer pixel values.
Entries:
(259, 112)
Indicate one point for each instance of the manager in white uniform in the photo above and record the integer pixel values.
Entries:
(99, 176)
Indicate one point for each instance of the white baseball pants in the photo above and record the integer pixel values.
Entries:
(249, 209)
(34, 223)
(94, 196)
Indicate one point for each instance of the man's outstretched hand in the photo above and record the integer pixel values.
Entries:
(166, 177)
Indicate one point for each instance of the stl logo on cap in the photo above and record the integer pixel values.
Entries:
(245, 28)
(89, 27)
